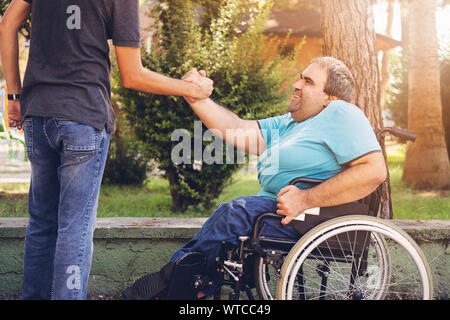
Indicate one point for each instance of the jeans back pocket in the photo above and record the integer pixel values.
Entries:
(80, 141)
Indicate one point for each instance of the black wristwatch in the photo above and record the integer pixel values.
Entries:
(15, 96)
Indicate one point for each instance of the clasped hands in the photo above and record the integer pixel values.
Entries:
(200, 79)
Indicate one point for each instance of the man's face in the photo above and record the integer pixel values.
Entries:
(308, 98)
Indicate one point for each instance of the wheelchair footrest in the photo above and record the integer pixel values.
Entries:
(187, 278)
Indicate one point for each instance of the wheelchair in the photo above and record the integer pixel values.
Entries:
(343, 253)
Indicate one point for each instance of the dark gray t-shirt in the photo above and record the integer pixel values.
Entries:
(68, 70)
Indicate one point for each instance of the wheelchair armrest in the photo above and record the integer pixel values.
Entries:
(307, 180)
(261, 216)
(255, 242)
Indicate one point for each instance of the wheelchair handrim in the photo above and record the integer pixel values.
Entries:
(357, 223)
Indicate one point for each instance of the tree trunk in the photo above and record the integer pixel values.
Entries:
(172, 177)
(404, 24)
(426, 162)
(349, 35)
(385, 60)
(117, 134)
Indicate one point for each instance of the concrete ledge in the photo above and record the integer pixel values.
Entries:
(127, 248)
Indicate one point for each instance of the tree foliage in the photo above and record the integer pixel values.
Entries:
(223, 37)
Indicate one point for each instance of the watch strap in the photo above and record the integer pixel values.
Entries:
(14, 96)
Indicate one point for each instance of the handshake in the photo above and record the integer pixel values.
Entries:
(205, 84)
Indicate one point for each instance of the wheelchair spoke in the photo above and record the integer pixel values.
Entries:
(314, 279)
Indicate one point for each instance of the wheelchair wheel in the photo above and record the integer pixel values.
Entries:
(267, 274)
(355, 257)
(266, 278)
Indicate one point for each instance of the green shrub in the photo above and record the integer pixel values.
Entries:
(246, 79)
(126, 166)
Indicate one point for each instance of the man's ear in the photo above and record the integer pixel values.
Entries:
(329, 99)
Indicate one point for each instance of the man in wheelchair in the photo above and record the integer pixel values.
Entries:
(323, 137)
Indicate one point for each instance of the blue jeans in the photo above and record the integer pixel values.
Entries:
(230, 220)
(67, 163)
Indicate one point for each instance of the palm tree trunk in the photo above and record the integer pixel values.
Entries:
(426, 163)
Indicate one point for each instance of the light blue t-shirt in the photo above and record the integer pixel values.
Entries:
(319, 147)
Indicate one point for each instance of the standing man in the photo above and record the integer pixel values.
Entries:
(65, 110)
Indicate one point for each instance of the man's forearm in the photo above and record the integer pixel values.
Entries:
(357, 181)
(224, 123)
(350, 185)
(152, 82)
(216, 117)
(9, 49)
(9, 43)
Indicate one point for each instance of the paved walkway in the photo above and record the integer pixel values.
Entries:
(13, 168)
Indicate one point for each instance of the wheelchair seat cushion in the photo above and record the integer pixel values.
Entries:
(327, 213)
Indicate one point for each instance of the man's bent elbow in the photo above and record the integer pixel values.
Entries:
(379, 174)
(373, 179)
(382, 171)
(378, 168)
(128, 81)
(131, 79)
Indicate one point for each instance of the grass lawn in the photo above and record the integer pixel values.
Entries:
(153, 199)
(413, 204)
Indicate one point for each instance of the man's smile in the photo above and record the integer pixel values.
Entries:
(297, 94)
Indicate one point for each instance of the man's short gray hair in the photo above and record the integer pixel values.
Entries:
(340, 82)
